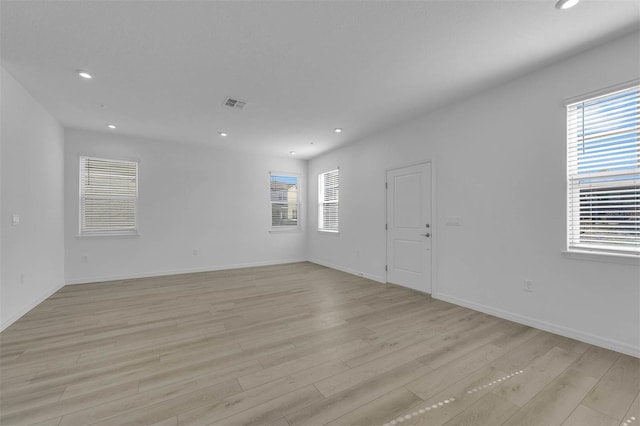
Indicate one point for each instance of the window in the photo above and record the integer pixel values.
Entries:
(603, 173)
(329, 201)
(285, 201)
(108, 196)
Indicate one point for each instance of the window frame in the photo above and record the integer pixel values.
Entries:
(574, 249)
(122, 232)
(322, 202)
(286, 228)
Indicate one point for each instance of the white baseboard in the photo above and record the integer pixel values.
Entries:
(543, 325)
(103, 278)
(349, 270)
(26, 308)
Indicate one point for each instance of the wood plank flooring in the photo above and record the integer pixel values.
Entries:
(296, 344)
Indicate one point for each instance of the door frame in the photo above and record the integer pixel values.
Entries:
(434, 235)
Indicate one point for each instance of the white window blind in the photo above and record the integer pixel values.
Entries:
(108, 196)
(285, 201)
(329, 201)
(603, 173)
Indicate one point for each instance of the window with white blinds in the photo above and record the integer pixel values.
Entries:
(603, 173)
(108, 196)
(329, 201)
(285, 201)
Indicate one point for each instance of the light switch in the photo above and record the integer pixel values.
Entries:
(15, 219)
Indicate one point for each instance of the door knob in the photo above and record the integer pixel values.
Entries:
(428, 234)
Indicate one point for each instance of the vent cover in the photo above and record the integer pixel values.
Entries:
(234, 103)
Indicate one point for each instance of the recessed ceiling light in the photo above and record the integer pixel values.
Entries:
(292, 153)
(85, 74)
(223, 134)
(566, 4)
(337, 130)
(111, 126)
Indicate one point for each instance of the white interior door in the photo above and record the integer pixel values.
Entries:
(409, 227)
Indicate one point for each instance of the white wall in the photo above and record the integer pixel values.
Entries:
(190, 197)
(500, 165)
(32, 186)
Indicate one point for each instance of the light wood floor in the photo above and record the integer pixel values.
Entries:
(296, 344)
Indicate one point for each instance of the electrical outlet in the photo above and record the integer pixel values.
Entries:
(196, 252)
(528, 286)
(84, 259)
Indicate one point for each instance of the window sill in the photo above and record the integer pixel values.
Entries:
(324, 231)
(594, 256)
(294, 230)
(133, 234)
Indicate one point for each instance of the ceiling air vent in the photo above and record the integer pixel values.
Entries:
(234, 103)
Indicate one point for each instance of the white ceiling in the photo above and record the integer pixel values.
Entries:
(163, 69)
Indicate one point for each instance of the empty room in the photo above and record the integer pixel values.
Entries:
(306, 213)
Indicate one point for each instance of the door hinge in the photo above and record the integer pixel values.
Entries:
(386, 185)
(386, 226)
(386, 267)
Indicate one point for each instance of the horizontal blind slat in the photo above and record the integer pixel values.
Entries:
(285, 199)
(603, 172)
(108, 195)
(329, 200)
